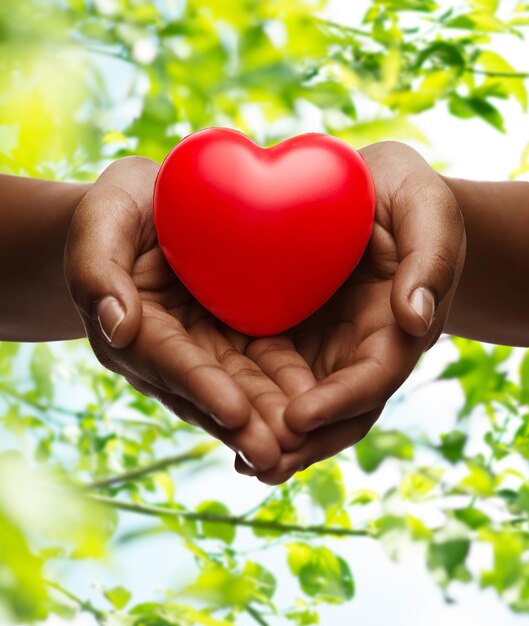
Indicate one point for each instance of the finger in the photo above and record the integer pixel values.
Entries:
(254, 442)
(320, 445)
(278, 359)
(164, 355)
(264, 395)
(431, 246)
(242, 468)
(105, 238)
(380, 365)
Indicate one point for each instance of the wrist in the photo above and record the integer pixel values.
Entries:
(35, 217)
(491, 304)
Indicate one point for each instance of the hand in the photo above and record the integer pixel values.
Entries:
(143, 324)
(363, 344)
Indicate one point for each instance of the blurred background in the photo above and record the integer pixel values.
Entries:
(103, 495)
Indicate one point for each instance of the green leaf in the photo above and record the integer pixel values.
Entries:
(166, 614)
(280, 510)
(472, 517)
(521, 503)
(41, 370)
(447, 559)
(500, 354)
(216, 530)
(448, 53)
(363, 496)
(9, 138)
(22, 589)
(119, 597)
(325, 484)
(380, 445)
(478, 482)
(418, 529)
(262, 580)
(523, 168)
(484, 6)
(165, 482)
(303, 616)
(481, 22)
(452, 445)
(417, 485)
(398, 128)
(321, 573)
(494, 63)
(220, 587)
(475, 106)
(524, 379)
(188, 528)
(390, 524)
(8, 351)
(457, 369)
(508, 547)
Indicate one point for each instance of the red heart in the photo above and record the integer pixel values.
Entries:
(262, 237)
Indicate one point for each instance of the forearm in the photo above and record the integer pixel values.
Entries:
(34, 219)
(492, 300)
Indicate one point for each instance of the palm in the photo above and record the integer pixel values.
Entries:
(357, 352)
(366, 340)
(168, 346)
(349, 323)
(172, 314)
(343, 362)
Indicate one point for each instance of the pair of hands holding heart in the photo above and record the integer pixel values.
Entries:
(285, 401)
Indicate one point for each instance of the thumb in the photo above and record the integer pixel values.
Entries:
(431, 245)
(103, 244)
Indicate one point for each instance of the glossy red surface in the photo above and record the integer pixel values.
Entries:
(262, 237)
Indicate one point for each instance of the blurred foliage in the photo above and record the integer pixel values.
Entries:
(85, 81)
(104, 78)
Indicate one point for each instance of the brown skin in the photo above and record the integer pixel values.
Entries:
(167, 346)
(363, 344)
(34, 219)
(102, 238)
(286, 401)
(492, 302)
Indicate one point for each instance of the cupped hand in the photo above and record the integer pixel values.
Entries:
(363, 344)
(143, 323)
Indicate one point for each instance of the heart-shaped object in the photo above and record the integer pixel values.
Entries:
(262, 237)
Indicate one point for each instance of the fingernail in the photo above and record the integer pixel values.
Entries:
(217, 420)
(110, 315)
(422, 301)
(246, 460)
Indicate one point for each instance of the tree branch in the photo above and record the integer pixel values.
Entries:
(344, 28)
(196, 453)
(84, 605)
(473, 70)
(256, 615)
(232, 520)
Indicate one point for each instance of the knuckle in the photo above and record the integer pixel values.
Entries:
(247, 372)
(271, 480)
(264, 346)
(183, 383)
(445, 264)
(389, 378)
(267, 394)
(275, 477)
(226, 354)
